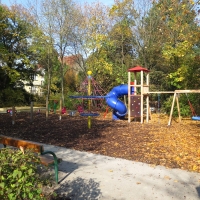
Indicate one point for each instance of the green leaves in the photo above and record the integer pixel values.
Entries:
(19, 178)
(179, 50)
(17, 173)
(13, 74)
(19, 51)
(170, 41)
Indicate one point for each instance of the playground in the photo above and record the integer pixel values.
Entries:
(154, 143)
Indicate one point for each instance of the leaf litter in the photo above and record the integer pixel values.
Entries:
(155, 143)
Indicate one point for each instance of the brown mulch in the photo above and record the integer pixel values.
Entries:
(155, 143)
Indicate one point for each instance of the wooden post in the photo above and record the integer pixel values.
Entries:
(31, 112)
(129, 97)
(172, 108)
(147, 99)
(142, 97)
(47, 108)
(158, 107)
(149, 113)
(135, 83)
(60, 116)
(13, 115)
(179, 113)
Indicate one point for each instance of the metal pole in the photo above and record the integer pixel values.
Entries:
(89, 100)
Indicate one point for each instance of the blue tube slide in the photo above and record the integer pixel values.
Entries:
(119, 108)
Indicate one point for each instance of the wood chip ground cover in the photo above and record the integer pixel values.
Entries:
(155, 143)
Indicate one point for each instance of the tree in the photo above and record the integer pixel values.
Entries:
(122, 40)
(182, 38)
(14, 35)
(110, 43)
(92, 34)
(58, 22)
(173, 34)
(18, 52)
(50, 63)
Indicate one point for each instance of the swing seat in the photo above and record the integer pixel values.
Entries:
(89, 114)
(197, 118)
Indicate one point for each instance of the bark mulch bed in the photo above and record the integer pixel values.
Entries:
(155, 143)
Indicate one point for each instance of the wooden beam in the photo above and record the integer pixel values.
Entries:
(172, 108)
(176, 91)
(36, 147)
(187, 91)
(162, 92)
(178, 107)
(129, 97)
(142, 97)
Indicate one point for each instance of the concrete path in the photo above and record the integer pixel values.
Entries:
(87, 176)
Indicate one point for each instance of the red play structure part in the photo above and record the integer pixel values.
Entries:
(97, 95)
(138, 69)
(80, 109)
(64, 110)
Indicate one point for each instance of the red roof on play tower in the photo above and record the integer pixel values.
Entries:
(138, 69)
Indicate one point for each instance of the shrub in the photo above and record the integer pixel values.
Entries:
(19, 176)
(183, 104)
(14, 96)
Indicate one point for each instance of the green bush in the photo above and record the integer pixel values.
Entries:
(19, 176)
(183, 104)
(69, 103)
(14, 96)
(72, 103)
(39, 100)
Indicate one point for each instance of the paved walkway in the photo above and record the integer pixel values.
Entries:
(87, 176)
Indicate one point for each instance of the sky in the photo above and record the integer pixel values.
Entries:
(23, 2)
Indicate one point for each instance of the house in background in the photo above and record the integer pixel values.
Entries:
(38, 78)
(37, 83)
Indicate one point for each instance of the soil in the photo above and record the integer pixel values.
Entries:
(155, 143)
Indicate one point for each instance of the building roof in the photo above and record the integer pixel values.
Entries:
(70, 60)
(138, 69)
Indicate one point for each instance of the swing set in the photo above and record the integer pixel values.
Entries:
(194, 115)
(176, 92)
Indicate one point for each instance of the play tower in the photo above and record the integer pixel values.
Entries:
(138, 93)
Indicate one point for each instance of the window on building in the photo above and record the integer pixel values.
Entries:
(35, 77)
